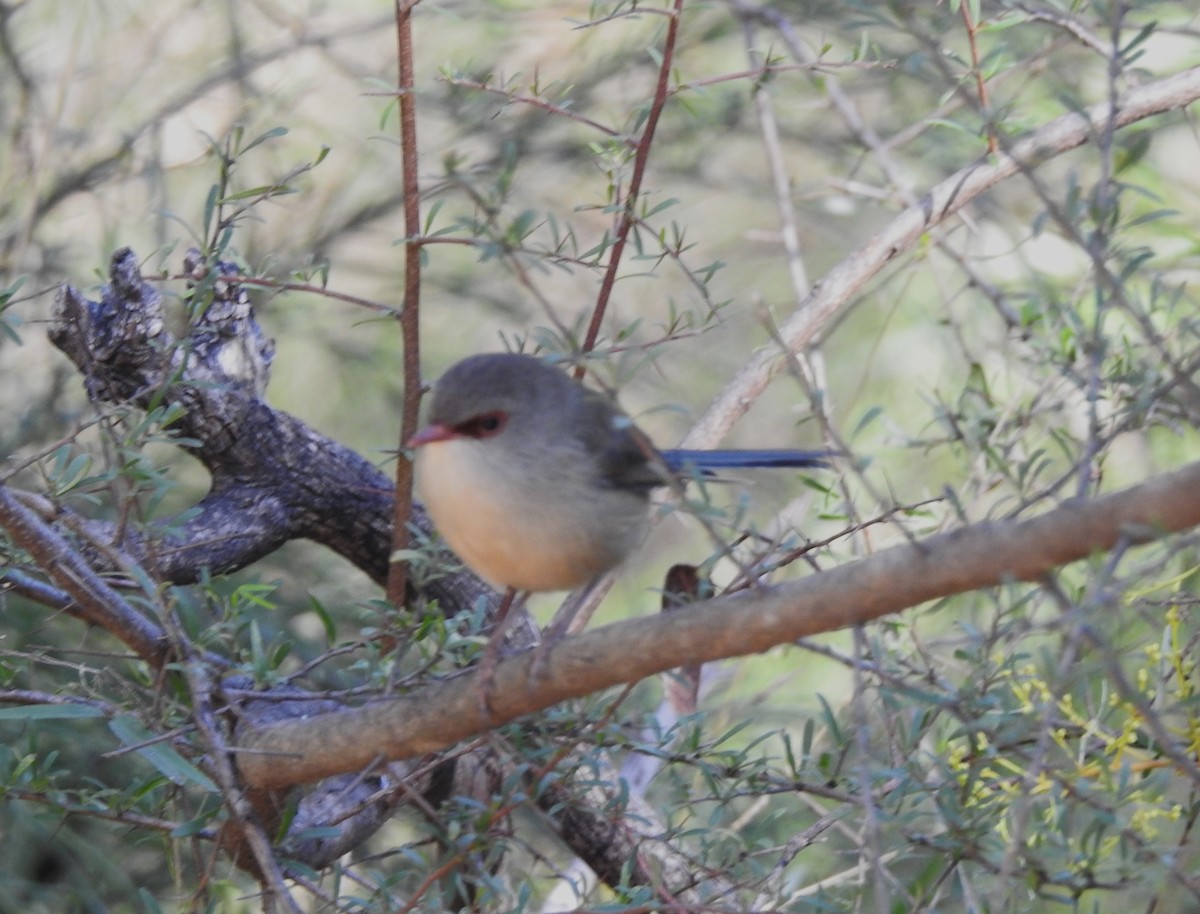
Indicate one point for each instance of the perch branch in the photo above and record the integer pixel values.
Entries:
(981, 555)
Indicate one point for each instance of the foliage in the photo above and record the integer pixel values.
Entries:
(1023, 748)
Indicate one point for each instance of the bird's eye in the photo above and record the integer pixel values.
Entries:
(484, 425)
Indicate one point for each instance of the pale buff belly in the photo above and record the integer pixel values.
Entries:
(514, 534)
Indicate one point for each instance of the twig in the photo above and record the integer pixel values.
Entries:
(980, 83)
(641, 157)
(533, 101)
(410, 314)
(322, 291)
(93, 599)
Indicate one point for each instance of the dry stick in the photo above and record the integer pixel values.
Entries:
(243, 823)
(410, 313)
(1074, 27)
(981, 555)
(94, 600)
(532, 100)
(948, 197)
(781, 181)
(322, 291)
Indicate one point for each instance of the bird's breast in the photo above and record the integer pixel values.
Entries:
(554, 529)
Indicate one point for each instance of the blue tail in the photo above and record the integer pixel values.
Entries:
(731, 460)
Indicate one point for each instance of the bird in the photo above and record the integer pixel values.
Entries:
(538, 483)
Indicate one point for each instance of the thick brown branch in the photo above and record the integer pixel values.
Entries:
(274, 478)
(983, 555)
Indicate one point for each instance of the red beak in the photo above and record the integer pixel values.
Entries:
(431, 433)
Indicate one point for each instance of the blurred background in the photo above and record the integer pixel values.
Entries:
(989, 372)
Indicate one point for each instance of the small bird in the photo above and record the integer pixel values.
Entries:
(538, 483)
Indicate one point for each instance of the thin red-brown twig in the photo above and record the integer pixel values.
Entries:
(980, 82)
(409, 315)
(641, 157)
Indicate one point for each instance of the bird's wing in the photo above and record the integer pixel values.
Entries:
(625, 458)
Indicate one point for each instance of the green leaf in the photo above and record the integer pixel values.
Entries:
(190, 827)
(867, 418)
(50, 712)
(149, 902)
(263, 190)
(169, 763)
(326, 620)
(432, 215)
(666, 204)
(210, 207)
(271, 134)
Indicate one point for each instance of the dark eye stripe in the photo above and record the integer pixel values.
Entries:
(484, 425)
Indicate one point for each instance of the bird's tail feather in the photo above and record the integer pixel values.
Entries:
(679, 460)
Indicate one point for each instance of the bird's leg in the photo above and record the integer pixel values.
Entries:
(572, 617)
(506, 612)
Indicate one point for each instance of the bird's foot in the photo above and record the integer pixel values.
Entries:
(486, 668)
